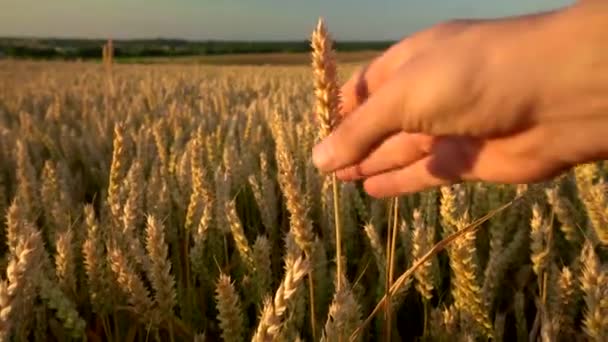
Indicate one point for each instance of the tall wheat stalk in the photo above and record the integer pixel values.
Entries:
(327, 108)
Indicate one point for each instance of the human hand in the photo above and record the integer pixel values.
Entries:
(514, 100)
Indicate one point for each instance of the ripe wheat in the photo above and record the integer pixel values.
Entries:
(179, 202)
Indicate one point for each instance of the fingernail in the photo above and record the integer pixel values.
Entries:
(321, 155)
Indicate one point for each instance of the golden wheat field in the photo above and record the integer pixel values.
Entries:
(179, 203)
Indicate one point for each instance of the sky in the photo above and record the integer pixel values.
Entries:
(245, 19)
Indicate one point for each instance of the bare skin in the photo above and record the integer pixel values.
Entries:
(514, 100)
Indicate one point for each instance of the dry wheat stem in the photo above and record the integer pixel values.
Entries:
(390, 249)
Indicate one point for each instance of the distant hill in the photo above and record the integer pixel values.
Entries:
(51, 48)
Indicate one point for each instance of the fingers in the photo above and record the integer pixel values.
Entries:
(395, 152)
(524, 157)
(359, 132)
(451, 160)
(410, 179)
(521, 158)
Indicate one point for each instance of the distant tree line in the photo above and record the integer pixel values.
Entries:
(92, 49)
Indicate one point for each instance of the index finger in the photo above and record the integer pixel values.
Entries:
(359, 132)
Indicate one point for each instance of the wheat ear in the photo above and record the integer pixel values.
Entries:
(273, 312)
(230, 313)
(21, 267)
(594, 283)
(160, 275)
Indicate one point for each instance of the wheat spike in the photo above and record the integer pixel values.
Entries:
(300, 223)
(200, 237)
(96, 269)
(132, 213)
(274, 311)
(14, 225)
(117, 170)
(21, 268)
(566, 304)
(27, 192)
(378, 251)
(344, 315)
(592, 192)
(238, 233)
(448, 208)
(422, 240)
(263, 274)
(325, 79)
(54, 202)
(160, 275)
(563, 211)
(201, 189)
(539, 246)
(230, 313)
(132, 285)
(466, 290)
(594, 283)
(65, 263)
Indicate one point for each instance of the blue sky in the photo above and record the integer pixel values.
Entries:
(244, 19)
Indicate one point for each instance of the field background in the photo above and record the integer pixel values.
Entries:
(259, 59)
(214, 52)
(169, 199)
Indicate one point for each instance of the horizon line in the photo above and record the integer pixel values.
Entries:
(190, 40)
